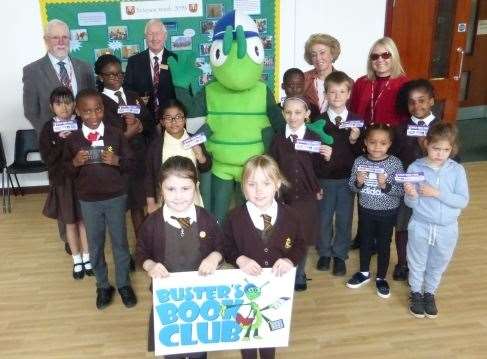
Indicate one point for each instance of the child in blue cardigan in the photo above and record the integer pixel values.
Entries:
(433, 228)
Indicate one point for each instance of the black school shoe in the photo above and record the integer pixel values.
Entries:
(78, 275)
(339, 267)
(383, 289)
(430, 309)
(323, 264)
(416, 304)
(357, 280)
(128, 296)
(401, 272)
(104, 297)
(88, 272)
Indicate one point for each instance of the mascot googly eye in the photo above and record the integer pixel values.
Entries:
(217, 57)
(255, 49)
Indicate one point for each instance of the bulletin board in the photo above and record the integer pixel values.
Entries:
(97, 28)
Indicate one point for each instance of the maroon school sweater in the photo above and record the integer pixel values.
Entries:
(99, 182)
(242, 238)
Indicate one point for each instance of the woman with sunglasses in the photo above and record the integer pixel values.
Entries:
(172, 118)
(374, 95)
(134, 120)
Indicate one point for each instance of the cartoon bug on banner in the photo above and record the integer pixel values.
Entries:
(227, 310)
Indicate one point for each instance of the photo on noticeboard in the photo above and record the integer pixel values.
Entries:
(118, 33)
(214, 10)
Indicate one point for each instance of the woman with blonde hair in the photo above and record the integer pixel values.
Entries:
(374, 95)
(321, 51)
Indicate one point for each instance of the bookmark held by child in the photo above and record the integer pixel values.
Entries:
(128, 109)
(370, 169)
(64, 125)
(194, 140)
(412, 177)
(351, 124)
(307, 145)
(417, 131)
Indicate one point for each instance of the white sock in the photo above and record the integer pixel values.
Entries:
(365, 273)
(78, 267)
(86, 258)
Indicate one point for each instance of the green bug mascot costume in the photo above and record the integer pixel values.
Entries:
(241, 112)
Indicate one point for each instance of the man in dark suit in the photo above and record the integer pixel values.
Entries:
(147, 72)
(55, 69)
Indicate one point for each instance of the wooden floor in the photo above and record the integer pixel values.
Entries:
(44, 313)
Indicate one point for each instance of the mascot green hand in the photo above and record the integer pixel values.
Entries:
(318, 127)
(241, 113)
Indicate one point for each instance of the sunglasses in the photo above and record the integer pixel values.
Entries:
(385, 55)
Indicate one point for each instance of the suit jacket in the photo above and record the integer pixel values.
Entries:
(40, 78)
(138, 78)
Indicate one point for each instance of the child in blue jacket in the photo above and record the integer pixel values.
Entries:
(433, 228)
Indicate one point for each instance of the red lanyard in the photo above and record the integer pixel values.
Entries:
(373, 103)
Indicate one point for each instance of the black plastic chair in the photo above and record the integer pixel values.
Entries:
(25, 143)
(3, 167)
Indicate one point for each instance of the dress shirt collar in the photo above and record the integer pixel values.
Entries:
(86, 130)
(167, 213)
(255, 214)
(299, 132)
(332, 115)
(427, 120)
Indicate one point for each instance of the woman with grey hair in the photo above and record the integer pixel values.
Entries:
(321, 51)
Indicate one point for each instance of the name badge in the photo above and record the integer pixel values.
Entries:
(351, 124)
(98, 143)
(412, 177)
(194, 140)
(371, 169)
(94, 154)
(417, 131)
(128, 109)
(307, 146)
(62, 126)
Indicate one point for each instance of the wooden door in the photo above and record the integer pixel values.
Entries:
(475, 64)
(431, 35)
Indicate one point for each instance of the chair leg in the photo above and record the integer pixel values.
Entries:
(9, 205)
(9, 175)
(4, 202)
(18, 184)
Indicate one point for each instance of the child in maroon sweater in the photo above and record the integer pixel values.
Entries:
(262, 233)
(98, 156)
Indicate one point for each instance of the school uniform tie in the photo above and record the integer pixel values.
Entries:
(267, 222)
(184, 222)
(155, 83)
(93, 136)
(63, 75)
(293, 138)
(421, 123)
(338, 121)
(121, 102)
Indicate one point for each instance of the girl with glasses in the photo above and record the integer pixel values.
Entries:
(172, 118)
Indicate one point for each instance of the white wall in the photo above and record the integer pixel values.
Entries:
(356, 24)
(20, 24)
